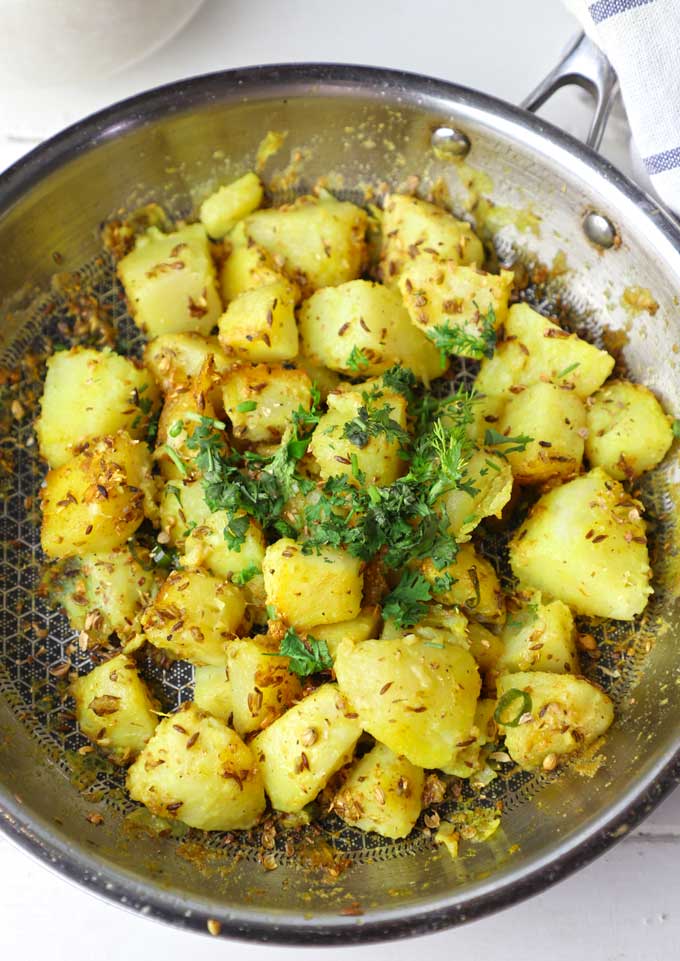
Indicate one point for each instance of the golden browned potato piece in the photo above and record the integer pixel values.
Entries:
(197, 770)
(316, 588)
(222, 210)
(558, 715)
(366, 624)
(259, 325)
(91, 393)
(474, 585)
(259, 400)
(170, 282)
(628, 430)
(584, 543)
(246, 268)
(539, 635)
(382, 793)
(489, 476)
(114, 708)
(416, 698)
(193, 616)
(262, 687)
(212, 690)
(300, 752)
(174, 359)
(98, 499)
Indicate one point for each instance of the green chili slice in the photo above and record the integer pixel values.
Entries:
(508, 699)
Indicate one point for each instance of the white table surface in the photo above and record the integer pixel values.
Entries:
(625, 905)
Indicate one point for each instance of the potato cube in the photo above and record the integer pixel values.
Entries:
(566, 714)
(584, 543)
(361, 328)
(319, 242)
(193, 616)
(536, 349)
(170, 282)
(114, 708)
(91, 393)
(486, 648)
(440, 625)
(231, 203)
(474, 585)
(539, 636)
(411, 226)
(262, 687)
(307, 589)
(469, 757)
(428, 698)
(197, 770)
(441, 297)
(98, 499)
(324, 379)
(174, 359)
(182, 509)
(104, 593)
(181, 415)
(260, 400)
(628, 431)
(350, 435)
(365, 625)
(555, 420)
(205, 546)
(300, 752)
(260, 324)
(490, 476)
(382, 793)
(212, 690)
(246, 268)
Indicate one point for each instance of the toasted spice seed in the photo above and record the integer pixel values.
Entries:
(175, 806)
(17, 410)
(352, 910)
(309, 737)
(178, 727)
(214, 927)
(94, 818)
(379, 795)
(88, 529)
(61, 670)
(192, 740)
(599, 538)
(550, 762)
(385, 688)
(587, 642)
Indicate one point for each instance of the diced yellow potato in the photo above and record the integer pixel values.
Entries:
(411, 226)
(182, 509)
(170, 282)
(441, 295)
(300, 752)
(486, 412)
(212, 690)
(376, 455)
(417, 699)
(308, 589)
(104, 593)
(259, 400)
(319, 242)
(175, 359)
(91, 393)
(628, 431)
(539, 636)
(566, 714)
(325, 380)
(197, 770)
(246, 268)
(97, 499)
(584, 543)
(382, 793)
(475, 586)
(262, 687)
(225, 207)
(205, 546)
(486, 648)
(365, 625)
(259, 325)
(193, 616)
(468, 757)
(490, 476)
(361, 329)
(555, 420)
(536, 349)
(114, 708)
(181, 415)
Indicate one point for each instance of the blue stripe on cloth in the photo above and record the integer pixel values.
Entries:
(666, 160)
(604, 9)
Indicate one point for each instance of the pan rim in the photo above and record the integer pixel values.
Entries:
(120, 887)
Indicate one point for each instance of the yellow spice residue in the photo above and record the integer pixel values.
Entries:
(639, 299)
(270, 145)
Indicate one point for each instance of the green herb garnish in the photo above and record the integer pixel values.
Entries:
(247, 574)
(509, 445)
(461, 341)
(511, 697)
(306, 656)
(357, 360)
(568, 370)
(675, 427)
(407, 603)
(165, 557)
(246, 406)
(175, 458)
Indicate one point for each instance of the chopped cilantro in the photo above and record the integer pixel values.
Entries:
(568, 370)
(458, 340)
(306, 655)
(509, 445)
(246, 406)
(407, 603)
(676, 427)
(247, 574)
(357, 360)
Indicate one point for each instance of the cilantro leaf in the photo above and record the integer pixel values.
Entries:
(306, 656)
(509, 445)
(461, 341)
(357, 360)
(247, 574)
(407, 603)
(371, 422)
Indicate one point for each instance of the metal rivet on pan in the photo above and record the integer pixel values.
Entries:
(599, 229)
(450, 141)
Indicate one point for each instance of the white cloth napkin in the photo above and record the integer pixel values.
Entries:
(641, 38)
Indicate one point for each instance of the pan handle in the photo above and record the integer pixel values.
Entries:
(585, 66)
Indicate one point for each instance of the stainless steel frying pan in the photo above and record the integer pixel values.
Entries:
(364, 126)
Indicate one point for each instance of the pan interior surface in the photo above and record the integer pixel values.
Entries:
(357, 132)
